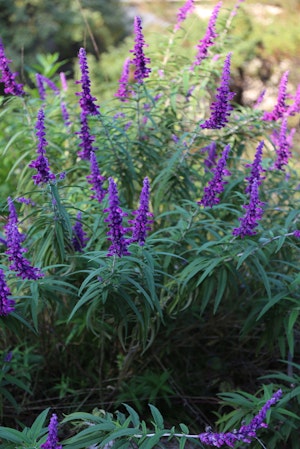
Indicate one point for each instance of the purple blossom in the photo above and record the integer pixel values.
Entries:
(220, 109)
(297, 233)
(119, 115)
(140, 60)
(86, 139)
(208, 39)
(41, 164)
(6, 304)
(86, 101)
(40, 86)
(216, 184)
(96, 180)
(186, 9)
(236, 7)
(124, 90)
(15, 251)
(253, 214)
(295, 107)
(127, 125)
(63, 81)
(7, 77)
(65, 114)
(142, 220)
(26, 201)
(41, 81)
(260, 98)
(256, 168)
(282, 145)
(8, 357)
(79, 235)
(116, 233)
(246, 433)
(211, 149)
(52, 439)
(280, 108)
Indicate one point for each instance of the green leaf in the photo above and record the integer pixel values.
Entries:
(271, 303)
(221, 283)
(157, 416)
(13, 435)
(38, 424)
(184, 428)
(133, 415)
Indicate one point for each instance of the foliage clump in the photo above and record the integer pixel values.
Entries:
(161, 233)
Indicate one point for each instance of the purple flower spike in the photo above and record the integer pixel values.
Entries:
(7, 77)
(41, 164)
(96, 180)
(186, 9)
(216, 184)
(256, 168)
(211, 149)
(140, 60)
(65, 114)
(142, 220)
(295, 107)
(124, 90)
(86, 139)
(253, 214)
(52, 440)
(208, 39)
(6, 304)
(41, 81)
(86, 101)
(280, 108)
(221, 108)
(40, 86)
(15, 251)
(246, 433)
(116, 233)
(79, 235)
(63, 81)
(283, 142)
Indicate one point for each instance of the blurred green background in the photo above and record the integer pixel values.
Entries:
(265, 34)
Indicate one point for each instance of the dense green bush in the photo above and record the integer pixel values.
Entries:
(181, 301)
